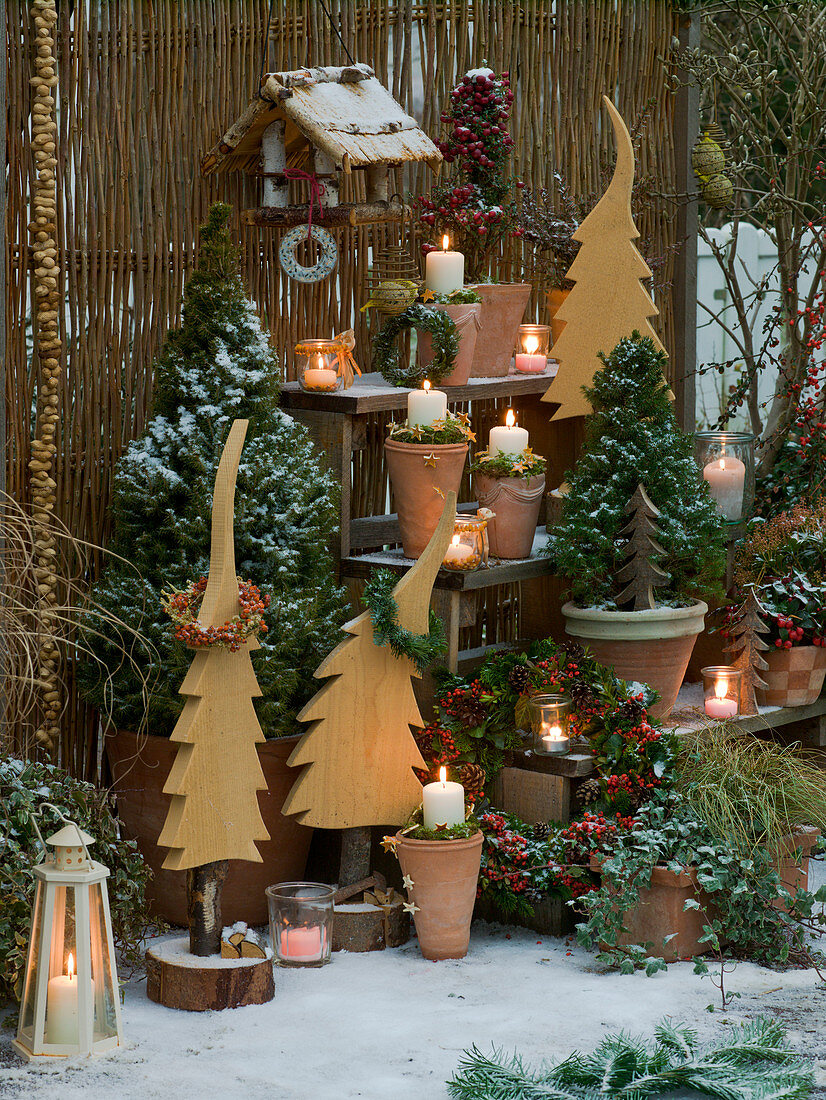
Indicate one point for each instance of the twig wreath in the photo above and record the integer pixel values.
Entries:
(445, 346)
(182, 606)
(421, 649)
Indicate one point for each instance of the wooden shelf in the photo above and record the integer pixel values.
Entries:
(688, 715)
(373, 393)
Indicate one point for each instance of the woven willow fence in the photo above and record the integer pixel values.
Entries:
(146, 86)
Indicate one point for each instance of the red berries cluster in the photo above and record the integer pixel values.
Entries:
(795, 633)
(479, 110)
(182, 606)
(436, 742)
(504, 849)
(630, 783)
(466, 704)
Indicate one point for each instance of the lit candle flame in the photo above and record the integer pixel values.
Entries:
(531, 344)
(510, 419)
(70, 966)
(443, 776)
(445, 243)
(552, 733)
(720, 689)
(455, 540)
(320, 361)
(425, 385)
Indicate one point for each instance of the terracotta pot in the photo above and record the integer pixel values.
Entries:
(794, 872)
(417, 471)
(652, 647)
(445, 874)
(466, 319)
(794, 677)
(140, 767)
(503, 306)
(660, 913)
(516, 502)
(555, 299)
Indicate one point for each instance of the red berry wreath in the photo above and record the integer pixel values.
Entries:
(182, 606)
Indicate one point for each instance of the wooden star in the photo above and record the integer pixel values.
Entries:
(407, 882)
(431, 460)
(410, 907)
(389, 844)
(416, 431)
(427, 295)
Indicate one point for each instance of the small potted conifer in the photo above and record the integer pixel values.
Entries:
(640, 539)
(512, 487)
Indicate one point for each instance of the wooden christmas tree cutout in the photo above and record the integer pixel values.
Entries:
(640, 574)
(215, 779)
(359, 751)
(609, 300)
(747, 648)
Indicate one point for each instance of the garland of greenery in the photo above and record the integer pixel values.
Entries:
(421, 649)
(445, 346)
(506, 465)
(452, 429)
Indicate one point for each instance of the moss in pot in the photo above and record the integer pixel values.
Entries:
(618, 549)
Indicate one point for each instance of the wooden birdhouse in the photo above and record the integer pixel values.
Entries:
(317, 124)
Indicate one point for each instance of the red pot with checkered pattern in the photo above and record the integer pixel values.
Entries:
(794, 677)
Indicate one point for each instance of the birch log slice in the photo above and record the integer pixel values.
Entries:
(177, 979)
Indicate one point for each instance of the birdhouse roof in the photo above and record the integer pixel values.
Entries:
(70, 837)
(345, 112)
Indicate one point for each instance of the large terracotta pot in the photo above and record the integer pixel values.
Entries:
(555, 299)
(794, 677)
(794, 872)
(516, 502)
(420, 475)
(140, 767)
(660, 913)
(503, 306)
(652, 647)
(445, 874)
(466, 319)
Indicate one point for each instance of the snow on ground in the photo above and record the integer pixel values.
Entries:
(391, 1026)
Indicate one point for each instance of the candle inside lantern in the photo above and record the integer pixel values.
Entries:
(61, 1007)
(531, 361)
(425, 406)
(302, 944)
(443, 803)
(444, 271)
(507, 438)
(718, 705)
(726, 477)
(457, 552)
(320, 377)
(552, 739)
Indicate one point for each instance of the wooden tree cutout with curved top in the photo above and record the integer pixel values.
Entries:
(359, 752)
(609, 300)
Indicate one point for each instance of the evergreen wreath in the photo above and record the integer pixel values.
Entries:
(445, 346)
(182, 606)
(421, 649)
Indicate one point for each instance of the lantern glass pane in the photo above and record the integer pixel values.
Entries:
(62, 989)
(26, 1028)
(105, 986)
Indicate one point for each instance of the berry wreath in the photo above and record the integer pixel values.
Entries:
(182, 606)
(445, 346)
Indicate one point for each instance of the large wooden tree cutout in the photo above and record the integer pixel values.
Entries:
(215, 779)
(608, 301)
(359, 752)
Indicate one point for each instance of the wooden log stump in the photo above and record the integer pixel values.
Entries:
(177, 979)
(360, 926)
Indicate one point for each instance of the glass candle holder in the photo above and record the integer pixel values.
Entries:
(469, 545)
(721, 691)
(550, 715)
(533, 343)
(318, 366)
(726, 461)
(301, 922)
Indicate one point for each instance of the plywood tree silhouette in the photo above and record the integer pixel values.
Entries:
(747, 647)
(608, 301)
(216, 776)
(641, 575)
(359, 751)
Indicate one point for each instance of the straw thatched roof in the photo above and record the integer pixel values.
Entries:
(344, 112)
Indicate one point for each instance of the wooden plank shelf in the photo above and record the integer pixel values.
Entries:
(805, 723)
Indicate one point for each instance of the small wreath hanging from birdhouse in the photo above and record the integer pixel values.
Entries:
(327, 254)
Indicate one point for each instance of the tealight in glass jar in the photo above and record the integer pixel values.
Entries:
(550, 715)
(533, 343)
(318, 366)
(469, 545)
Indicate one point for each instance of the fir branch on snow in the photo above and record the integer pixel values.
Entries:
(754, 1063)
(421, 649)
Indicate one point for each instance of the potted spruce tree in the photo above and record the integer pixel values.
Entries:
(216, 367)
(640, 540)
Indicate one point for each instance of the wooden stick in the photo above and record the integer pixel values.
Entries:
(362, 213)
(204, 887)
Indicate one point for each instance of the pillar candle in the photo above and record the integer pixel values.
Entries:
(61, 1008)
(444, 271)
(507, 438)
(443, 803)
(726, 478)
(425, 405)
(302, 944)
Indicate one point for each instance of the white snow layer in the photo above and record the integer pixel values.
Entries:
(391, 1026)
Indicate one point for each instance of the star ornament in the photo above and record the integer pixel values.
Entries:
(389, 844)
(410, 907)
(431, 460)
(407, 882)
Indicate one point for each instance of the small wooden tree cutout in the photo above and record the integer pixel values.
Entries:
(640, 574)
(359, 751)
(746, 647)
(609, 300)
(215, 779)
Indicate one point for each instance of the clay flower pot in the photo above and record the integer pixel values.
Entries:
(516, 502)
(420, 475)
(140, 767)
(445, 874)
(794, 872)
(794, 677)
(503, 306)
(555, 299)
(465, 317)
(652, 647)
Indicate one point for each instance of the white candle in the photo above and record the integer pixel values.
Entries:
(457, 553)
(726, 477)
(443, 803)
(530, 361)
(507, 438)
(424, 406)
(719, 706)
(302, 944)
(444, 271)
(61, 1008)
(320, 379)
(553, 739)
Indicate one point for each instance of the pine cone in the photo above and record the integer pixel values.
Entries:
(574, 651)
(472, 777)
(541, 830)
(582, 694)
(631, 709)
(519, 677)
(588, 792)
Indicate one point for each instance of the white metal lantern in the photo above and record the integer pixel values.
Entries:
(70, 995)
